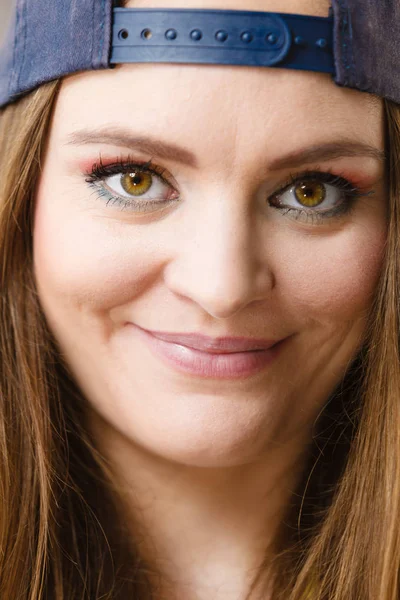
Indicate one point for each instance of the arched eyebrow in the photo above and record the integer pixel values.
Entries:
(147, 144)
(329, 151)
(116, 136)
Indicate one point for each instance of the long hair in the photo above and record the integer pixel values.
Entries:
(57, 494)
(62, 532)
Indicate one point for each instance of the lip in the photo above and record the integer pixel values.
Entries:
(219, 345)
(225, 364)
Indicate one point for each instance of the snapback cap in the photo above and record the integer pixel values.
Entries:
(358, 43)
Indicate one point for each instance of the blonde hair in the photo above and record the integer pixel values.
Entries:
(61, 533)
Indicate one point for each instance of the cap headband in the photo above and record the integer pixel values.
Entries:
(229, 37)
(357, 43)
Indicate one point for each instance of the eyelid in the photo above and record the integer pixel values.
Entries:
(126, 162)
(103, 170)
(325, 175)
(106, 168)
(99, 174)
(349, 193)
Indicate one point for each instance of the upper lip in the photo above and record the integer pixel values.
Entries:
(212, 345)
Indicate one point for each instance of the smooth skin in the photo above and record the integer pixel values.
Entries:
(208, 465)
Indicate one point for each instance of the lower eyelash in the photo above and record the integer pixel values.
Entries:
(350, 191)
(100, 172)
(318, 217)
(123, 203)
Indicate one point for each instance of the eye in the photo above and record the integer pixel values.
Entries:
(316, 194)
(310, 193)
(137, 183)
(137, 187)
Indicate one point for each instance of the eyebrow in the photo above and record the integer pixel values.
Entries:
(329, 151)
(317, 153)
(147, 144)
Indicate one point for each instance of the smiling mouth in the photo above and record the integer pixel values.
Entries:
(219, 345)
(213, 363)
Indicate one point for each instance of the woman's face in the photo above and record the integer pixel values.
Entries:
(242, 225)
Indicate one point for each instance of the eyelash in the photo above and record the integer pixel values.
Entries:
(100, 172)
(349, 190)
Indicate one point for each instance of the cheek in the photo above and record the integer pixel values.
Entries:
(86, 261)
(334, 276)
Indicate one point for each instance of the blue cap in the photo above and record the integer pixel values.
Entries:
(358, 43)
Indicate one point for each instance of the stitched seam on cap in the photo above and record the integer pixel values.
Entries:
(25, 36)
(351, 49)
(21, 25)
(93, 34)
(13, 74)
(102, 23)
(343, 22)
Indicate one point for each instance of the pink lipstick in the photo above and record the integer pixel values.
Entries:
(219, 358)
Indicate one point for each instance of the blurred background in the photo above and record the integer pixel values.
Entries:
(5, 12)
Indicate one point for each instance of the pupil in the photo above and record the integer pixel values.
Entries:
(136, 178)
(307, 191)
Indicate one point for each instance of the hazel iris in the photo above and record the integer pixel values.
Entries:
(310, 193)
(136, 183)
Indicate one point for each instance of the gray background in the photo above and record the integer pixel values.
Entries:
(5, 11)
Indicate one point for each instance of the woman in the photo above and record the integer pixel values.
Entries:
(187, 201)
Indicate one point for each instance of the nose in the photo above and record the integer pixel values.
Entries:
(221, 261)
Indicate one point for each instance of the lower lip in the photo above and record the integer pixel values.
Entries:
(216, 366)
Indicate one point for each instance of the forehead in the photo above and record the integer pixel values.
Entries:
(310, 7)
(244, 104)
